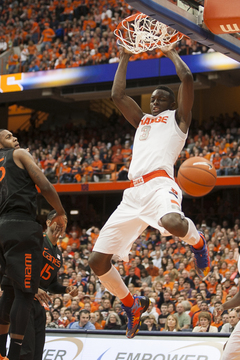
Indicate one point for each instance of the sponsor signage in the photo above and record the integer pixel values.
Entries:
(84, 346)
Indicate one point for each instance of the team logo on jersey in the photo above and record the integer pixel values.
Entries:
(174, 192)
(138, 181)
(51, 258)
(28, 271)
(156, 119)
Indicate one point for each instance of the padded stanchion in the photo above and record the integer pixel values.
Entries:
(222, 16)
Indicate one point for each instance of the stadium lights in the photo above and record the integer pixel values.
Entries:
(74, 212)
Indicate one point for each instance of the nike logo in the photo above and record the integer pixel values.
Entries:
(203, 163)
(20, 344)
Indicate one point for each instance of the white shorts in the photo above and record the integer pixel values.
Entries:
(141, 206)
(232, 349)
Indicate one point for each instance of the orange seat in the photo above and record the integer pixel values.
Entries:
(222, 16)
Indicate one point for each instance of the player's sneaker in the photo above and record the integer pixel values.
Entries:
(3, 358)
(202, 259)
(134, 313)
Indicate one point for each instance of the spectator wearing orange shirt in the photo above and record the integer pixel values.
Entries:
(50, 161)
(230, 260)
(136, 269)
(203, 307)
(106, 21)
(74, 240)
(218, 319)
(47, 37)
(66, 169)
(13, 63)
(93, 232)
(167, 282)
(67, 300)
(77, 61)
(216, 160)
(222, 147)
(63, 242)
(59, 64)
(126, 151)
(68, 12)
(32, 50)
(180, 249)
(97, 168)
(116, 146)
(224, 268)
(152, 270)
(70, 318)
(89, 23)
(212, 284)
(117, 157)
(34, 31)
(87, 172)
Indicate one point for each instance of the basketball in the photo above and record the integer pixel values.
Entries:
(197, 176)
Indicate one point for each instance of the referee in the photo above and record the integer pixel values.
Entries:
(33, 343)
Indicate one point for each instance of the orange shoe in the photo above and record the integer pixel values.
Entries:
(134, 313)
(3, 358)
(202, 259)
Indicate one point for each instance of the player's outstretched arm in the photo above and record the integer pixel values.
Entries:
(25, 160)
(185, 92)
(128, 107)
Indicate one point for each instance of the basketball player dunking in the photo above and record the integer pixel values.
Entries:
(153, 197)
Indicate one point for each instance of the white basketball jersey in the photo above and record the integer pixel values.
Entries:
(157, 143)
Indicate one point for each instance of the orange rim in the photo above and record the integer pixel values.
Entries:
(129, 19)
(176, 37)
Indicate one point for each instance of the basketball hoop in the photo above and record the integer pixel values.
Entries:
(139, 33)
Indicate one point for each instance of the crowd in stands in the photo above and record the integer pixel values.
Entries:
(159, 267)
(80, 156)
(68, 33)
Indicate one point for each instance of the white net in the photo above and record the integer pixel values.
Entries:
(139, 33)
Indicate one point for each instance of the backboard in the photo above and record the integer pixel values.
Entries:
(186, 16)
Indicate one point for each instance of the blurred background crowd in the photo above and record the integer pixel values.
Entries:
(46, 34)
(84, 154)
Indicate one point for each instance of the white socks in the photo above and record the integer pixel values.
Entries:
(192, 237)
(114, 283)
